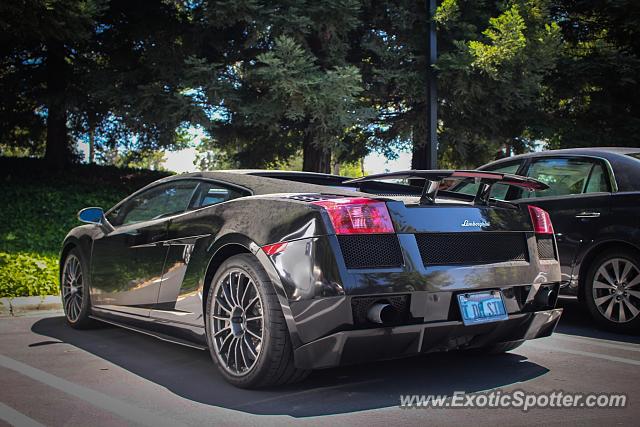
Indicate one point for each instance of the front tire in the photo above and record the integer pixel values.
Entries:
(74, 290)
(612, 290)
(246, 330)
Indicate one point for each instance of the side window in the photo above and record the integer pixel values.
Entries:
(499, 191)
(211, 193)
(157, 202)
(598, 182)
(567, 176)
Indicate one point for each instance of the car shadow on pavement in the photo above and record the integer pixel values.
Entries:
(576, 320)
(192, 375)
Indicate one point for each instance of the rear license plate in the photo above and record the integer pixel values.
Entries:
(482, 307)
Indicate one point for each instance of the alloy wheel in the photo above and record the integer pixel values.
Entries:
(72, 288)
(615, 290)
(237, 322)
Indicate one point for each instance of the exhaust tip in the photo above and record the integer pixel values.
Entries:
(382, 313)
(546, 297)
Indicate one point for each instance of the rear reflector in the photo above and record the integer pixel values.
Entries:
(357, 215)
(541, 220)
(274, 248)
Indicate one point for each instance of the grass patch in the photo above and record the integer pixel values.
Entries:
(37, 209)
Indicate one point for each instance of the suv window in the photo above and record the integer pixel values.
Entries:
(157, 202)
(567, 176)
(211, 193)
(499, 191)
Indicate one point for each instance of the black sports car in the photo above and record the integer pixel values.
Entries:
(278, 277)
(594, 203)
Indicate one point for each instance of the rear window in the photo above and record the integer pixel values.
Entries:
(212, 193)
(634, 155)
(567, 176)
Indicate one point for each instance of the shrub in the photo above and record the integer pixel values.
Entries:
(27, 274)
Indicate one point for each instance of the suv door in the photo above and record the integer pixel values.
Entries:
(578, 201)
(127, 263)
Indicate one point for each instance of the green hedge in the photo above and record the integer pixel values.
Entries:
(37, 209)
(26, 274)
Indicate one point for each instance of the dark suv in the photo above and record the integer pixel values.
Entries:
(594, 203)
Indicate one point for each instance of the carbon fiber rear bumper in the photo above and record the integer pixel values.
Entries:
(364, 345)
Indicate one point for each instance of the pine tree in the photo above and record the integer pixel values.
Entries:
(286, 84)
(41, 40)
(109, 72)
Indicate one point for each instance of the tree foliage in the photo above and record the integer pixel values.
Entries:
(493, 59)
(105, 71)
(491, 79)
(330, 81)
(594, 91)
(288, 84)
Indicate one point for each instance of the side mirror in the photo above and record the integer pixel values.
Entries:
(91, 215)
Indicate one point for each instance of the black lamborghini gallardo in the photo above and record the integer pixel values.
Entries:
(277, 277)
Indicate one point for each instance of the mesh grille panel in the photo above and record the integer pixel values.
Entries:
(545, 247)
(471, 248)
(371, 250)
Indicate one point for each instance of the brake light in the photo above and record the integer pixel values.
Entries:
(357, 215)
(274, 248)
(541, 220)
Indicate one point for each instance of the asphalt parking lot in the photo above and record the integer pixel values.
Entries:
(54, 375)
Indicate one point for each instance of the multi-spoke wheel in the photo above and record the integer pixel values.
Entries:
(246, 330)
(237, 322)
(74, 290)
(613, 290)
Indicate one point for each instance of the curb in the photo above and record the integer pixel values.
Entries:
(21, 305)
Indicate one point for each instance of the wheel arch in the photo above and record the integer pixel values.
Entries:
(66, 248)
(235, 244)
(82, 243)
(222, 254)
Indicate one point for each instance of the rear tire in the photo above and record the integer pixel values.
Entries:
(75, 291)
(612, 290)
(246, 330)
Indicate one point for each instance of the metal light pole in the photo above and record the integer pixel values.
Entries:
(425, 151)
(432, 94)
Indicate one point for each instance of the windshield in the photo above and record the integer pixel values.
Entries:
(634, 155)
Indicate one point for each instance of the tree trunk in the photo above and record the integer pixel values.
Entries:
(314, 158)
(57, 153)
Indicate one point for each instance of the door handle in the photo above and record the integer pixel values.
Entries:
(587, 214)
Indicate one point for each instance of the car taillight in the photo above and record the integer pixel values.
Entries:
(274, 248)
(357, 215)
(541, 220)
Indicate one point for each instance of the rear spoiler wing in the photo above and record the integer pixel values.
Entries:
(434, 177)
